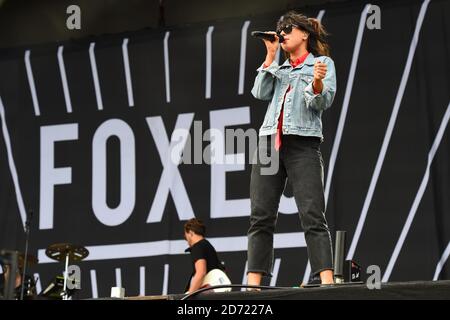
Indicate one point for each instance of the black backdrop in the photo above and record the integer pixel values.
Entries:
(147, 257)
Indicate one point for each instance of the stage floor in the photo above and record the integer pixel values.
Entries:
(389, 291)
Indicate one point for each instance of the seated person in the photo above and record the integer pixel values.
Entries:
(204, 257)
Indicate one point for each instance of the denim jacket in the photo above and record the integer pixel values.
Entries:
(302, 113)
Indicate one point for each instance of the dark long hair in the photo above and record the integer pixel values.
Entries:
(317, 43)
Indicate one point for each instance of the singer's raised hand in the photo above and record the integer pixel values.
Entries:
(272, 47)
(320, 71)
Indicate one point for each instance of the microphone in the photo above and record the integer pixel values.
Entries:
(267, 36)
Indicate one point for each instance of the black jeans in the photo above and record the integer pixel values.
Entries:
(300, 160)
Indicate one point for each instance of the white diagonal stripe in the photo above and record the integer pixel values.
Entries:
(126, 65)
(166, 280)
(11, 163)
(441, 262)
(346, 102)
(208, 62)
(344, 110)
(62, 71)
(320, 15)
(98, 93)
(166, 65)
(390, 129)
(276, 270)
(30, 78)
(419, 195)
(243, 56)
(244, 277)
(94, 284)
(307, 273)
(118, 278)
(142, 281)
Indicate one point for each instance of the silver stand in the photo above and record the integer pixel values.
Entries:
(66, 275)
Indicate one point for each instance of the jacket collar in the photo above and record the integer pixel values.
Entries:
(308, 61)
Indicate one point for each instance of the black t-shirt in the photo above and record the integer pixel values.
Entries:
(204, 250)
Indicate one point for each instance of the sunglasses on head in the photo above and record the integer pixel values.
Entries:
(286, 28)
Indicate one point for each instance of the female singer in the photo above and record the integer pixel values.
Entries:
(299, 91)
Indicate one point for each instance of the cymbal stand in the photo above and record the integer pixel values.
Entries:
(66, 275)
(25, 258)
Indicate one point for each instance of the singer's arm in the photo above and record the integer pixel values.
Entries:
(264, 82)
(265, 79)
(270, 57)
(263, 87)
